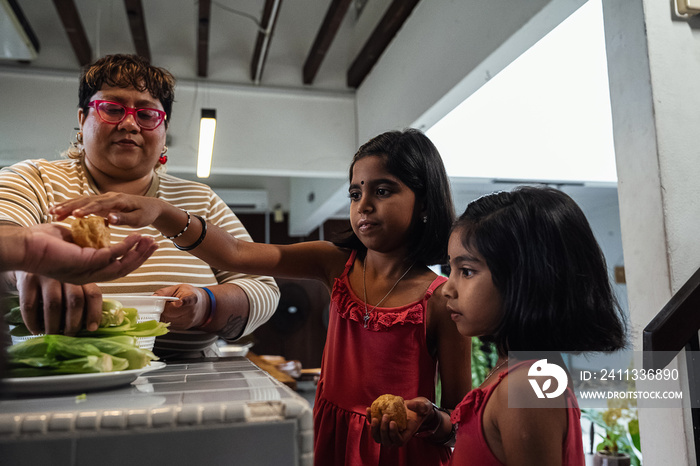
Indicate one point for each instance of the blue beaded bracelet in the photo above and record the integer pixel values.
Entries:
(212, 307)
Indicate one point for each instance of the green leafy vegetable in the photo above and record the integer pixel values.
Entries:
(59, 354)
(116, 320)
(112, 347)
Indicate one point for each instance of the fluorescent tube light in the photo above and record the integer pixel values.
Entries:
(207, 128)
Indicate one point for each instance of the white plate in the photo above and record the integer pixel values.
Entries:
(77, 383)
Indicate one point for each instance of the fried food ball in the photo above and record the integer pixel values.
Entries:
(393, 406)
(91, 232)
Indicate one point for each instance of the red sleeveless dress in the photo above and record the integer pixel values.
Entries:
(359, 364)
(471, 448)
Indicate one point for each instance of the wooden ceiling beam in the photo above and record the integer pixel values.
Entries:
(388, 26)
(324, 38)
(203, 38)
(75, 30)
(137, 23)
(262, 44)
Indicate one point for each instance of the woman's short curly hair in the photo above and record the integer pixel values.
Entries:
(126, 71)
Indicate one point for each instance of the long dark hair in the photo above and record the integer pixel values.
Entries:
(549, 269)
(411, 157)
(122, 70)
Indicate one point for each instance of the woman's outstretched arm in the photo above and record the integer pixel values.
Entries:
(314, 260)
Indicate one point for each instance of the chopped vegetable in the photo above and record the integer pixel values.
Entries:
(112, 313)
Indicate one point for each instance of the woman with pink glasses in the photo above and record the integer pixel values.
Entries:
(124, 108)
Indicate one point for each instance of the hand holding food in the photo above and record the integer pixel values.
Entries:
(117, 208)
(415, 412)
(391, 405)
(48, 249)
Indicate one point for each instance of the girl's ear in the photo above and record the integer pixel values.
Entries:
(422, 213)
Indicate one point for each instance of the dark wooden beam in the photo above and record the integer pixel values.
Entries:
(674, 326)
(137, 23)
(203, 38)
(19, 14)
(331, 23)
(74, 28)
(262, 44)
(388, 26)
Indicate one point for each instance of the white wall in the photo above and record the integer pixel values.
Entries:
(651, 61)
(260, 131)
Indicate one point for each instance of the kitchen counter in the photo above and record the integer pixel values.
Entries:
(222, 411)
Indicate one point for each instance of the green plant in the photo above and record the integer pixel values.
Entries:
(620, 426)
(484, 357)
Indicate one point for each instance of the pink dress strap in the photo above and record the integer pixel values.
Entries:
(348, 264)
(439, 280)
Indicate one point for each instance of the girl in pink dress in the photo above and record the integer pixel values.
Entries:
(527, 274)
(389, 330)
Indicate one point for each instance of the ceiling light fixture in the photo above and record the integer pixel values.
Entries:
(207, 128)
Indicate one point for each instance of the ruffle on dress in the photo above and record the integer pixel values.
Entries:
(352, 308)
(468, 407)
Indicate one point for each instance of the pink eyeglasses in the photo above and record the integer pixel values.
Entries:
(114, 113)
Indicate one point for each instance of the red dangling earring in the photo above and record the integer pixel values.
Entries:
(163, 158)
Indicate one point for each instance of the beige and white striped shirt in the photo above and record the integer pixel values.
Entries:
(29, 188)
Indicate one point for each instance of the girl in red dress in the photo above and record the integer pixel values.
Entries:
(527, 274)
(389, 330)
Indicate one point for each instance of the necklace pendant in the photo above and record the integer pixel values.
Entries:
(366, 319)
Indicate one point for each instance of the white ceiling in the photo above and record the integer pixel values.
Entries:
(171, 27)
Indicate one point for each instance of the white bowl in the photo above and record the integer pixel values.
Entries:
(148, 307)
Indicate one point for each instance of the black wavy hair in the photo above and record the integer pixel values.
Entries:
(121, 70)
(411, 156)
(549, 269)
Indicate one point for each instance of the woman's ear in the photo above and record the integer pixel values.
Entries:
(81, 117)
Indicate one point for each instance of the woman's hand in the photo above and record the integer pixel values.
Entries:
(118, 208)
(190, 311)
(387, 432)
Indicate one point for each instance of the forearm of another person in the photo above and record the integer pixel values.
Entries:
(229, 311)
(248, 302)
(48, 250)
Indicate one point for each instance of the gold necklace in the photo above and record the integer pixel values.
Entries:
(491, 372)
(364, 290)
